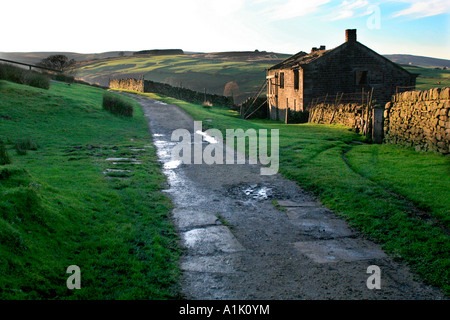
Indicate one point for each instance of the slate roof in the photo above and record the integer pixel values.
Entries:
(299, 59)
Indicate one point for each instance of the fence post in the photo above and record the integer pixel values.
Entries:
(377, 124)
(286, 115)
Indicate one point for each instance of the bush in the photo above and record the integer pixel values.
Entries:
(11, 73)
(298, 116)
(116, 105)
(4, 156)
(22, 76)
(37, 80)
(64, 78)
(23, 145)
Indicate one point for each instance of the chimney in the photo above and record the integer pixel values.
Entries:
(350, 35)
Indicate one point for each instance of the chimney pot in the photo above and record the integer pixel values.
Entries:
(350, 35)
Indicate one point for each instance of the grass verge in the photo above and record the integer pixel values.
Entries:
(63, 203)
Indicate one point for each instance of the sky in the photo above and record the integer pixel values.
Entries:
(417, 27)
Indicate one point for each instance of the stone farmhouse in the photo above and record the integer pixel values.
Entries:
(348, 68)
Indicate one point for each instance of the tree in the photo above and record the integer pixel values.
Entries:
(231, 89)
(58, 62)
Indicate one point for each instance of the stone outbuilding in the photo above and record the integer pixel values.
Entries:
(349, 68)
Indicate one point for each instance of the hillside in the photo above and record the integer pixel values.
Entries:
(419, 61)
(245, 70)
(200, 71)
(36, 57)
(63, 203)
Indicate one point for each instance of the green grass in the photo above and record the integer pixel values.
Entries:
(393, 195)
(430, 78)
(58, 208)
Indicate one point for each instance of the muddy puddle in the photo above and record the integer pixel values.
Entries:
(257, 192)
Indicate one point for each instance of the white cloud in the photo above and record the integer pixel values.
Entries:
(292, 8)
(349, 5)
(342, 14)
(422, 9)
(348, 9)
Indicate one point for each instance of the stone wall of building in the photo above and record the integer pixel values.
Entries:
(420, 119)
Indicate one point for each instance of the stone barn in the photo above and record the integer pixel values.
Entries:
(349, 68)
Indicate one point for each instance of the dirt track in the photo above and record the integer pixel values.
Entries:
(239, 246)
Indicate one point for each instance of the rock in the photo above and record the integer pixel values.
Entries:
(445, 93)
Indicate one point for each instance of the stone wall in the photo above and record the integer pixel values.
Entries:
(420, 119)
(127, 84)
(352, 115)
(187, 94)
(170, 91)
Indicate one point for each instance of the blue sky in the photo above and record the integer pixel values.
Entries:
(409, 27)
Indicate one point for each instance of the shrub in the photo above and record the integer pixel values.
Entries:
(298, 116)
(23, 145)
(37, 80)
(4, 156)
(116, 105)
(11, 73)
(22, 76)
(64, 78)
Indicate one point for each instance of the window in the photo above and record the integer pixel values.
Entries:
(282, 80)
(361, 77)
(296, 79)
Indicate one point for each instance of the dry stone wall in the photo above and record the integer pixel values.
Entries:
(127, 84)
(350, 115)
(167, 90)
(420, 119)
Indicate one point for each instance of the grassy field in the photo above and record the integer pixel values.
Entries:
(62, 203)
(395, 196)
(430, 77)
(195, 72)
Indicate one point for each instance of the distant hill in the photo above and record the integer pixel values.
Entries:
(160, 52)
(407, 59)
(211, 71)
(35, 57)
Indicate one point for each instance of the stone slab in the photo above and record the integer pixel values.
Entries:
(289, 203)
(337, 250)
(190, 218)
(211, 240)
(298, 213)
(324, 228)
(210, 264)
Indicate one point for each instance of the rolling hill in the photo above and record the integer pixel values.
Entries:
(418, 61)
(211, 71)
